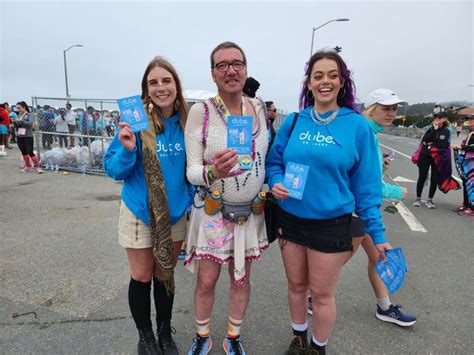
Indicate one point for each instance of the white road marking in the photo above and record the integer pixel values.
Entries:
(406, 214)
(410, 219)
(409, 157)
(402, 179)
(396, 151)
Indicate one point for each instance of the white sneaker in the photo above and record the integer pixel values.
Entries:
(417, 203)
(39, 170)
(430, 204)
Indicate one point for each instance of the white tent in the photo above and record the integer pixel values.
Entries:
(198, 95)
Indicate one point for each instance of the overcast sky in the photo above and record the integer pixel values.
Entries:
(423, 50)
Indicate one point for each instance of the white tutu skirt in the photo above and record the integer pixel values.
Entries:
(216, 239)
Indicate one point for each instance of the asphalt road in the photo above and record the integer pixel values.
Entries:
(59, 258)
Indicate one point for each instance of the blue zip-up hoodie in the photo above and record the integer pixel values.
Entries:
(344, 174)
(388, 190)
(120, 164)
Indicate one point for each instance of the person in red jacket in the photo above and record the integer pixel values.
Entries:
(4, 125)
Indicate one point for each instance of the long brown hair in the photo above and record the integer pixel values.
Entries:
(181, 106)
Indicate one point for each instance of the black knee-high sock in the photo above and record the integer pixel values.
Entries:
(140, 304)
(163, 301)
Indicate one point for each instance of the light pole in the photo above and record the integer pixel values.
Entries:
(65, 66)
(324, 24)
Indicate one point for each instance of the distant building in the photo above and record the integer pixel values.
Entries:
(468, 111)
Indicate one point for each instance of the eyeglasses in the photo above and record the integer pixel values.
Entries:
(224, 66)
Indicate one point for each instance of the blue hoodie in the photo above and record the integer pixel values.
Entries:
(120, 164)
(388, 190)
(344, 173)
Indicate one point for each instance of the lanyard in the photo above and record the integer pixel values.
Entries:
(224, 108)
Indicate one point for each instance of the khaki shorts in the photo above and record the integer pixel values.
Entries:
(135, 234)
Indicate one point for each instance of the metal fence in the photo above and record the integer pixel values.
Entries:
(74, 134)
(413, 132)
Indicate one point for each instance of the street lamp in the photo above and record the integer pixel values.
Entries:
(65, 66)
(324, 24)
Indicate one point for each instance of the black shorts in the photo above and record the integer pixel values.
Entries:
(357, 227)
(324, 235)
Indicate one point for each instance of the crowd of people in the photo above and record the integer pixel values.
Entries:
(201, 194)
(66, 123)
(219, 192)
(61, 125)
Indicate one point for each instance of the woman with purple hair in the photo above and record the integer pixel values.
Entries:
(337, 146)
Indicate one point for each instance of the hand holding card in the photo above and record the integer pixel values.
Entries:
(126, 136)
(295, 179)
(239, 134)
(392, 272)
(132, 112)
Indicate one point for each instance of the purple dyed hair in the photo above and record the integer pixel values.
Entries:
(348, 100)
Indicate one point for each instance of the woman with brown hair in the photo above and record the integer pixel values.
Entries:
(155, 198)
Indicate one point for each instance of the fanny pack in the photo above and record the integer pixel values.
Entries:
(236, 212)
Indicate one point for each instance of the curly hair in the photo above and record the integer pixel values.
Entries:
(348, 99)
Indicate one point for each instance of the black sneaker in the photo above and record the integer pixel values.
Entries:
(147, 343)
(298, 345)
(201, 345)
(165, 339)
(233, 346)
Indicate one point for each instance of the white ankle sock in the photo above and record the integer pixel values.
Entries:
(384, 303)
(300, 327)
(319, 343)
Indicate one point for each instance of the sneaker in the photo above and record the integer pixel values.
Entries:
(417, 203)
(182, 254)
(313, 351)
(165, 338)
(233, 346)
(26, 170)
(310, 306)
(147, 343)
(298, 345)
(467, 212)
(201, 345)
(39, 170)
(459, 209)
(430, 204)
(394, 315)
